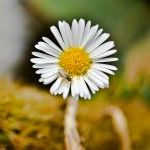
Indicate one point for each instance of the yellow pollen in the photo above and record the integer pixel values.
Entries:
(75, 61)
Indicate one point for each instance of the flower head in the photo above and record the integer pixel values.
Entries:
(77, 64)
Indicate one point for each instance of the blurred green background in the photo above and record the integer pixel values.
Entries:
(30, 118)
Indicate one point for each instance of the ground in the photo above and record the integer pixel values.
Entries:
(33, 119)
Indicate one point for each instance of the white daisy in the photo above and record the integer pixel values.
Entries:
(77, 66)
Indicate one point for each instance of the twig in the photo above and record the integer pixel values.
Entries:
(72, 138)
(120, 126)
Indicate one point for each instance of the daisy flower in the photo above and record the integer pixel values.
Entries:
(77, 65)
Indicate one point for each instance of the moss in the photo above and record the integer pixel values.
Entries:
(33, 119)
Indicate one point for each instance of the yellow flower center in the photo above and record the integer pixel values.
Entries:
(75, 61)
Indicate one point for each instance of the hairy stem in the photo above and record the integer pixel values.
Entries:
(72, 138)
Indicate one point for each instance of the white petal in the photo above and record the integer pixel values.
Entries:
(61, 88)
(102, 69)
(58, 37)
(54, 46)
(41, 80)
(107, 66)
(96, 81)
(80, 31)
(85, 89)
(69, 33)
(66, 89)
(75, 84)
(64, 34)
(44, 65)
(44, 61)
(101, 73)
(47, 69)
(56, 85)
(102, 48)
(50, 79)
(91, 85)
(92, 36)
(48, 47)
(80, 88)
(43, 70)
(97, 42)
(73, 90)
(86, 31)
(75, 32)
(41, 66)
(41, 55)
(97, 74)
(56, 91)
(105, 54)
(50, 73)
(106, 60)
(107, 71)
(95, 37)
(88, 36)
(47, 50)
